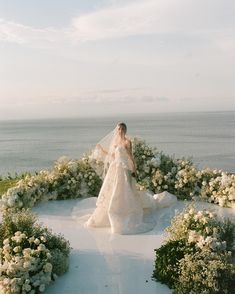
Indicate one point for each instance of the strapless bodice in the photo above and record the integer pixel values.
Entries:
(122, 157)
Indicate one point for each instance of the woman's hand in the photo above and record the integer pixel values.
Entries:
(101, 148)
(134, 171)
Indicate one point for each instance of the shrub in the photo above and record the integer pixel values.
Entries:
(68, 179)
(166, 261)
(206, 272)
(197, 257)
(31, 255)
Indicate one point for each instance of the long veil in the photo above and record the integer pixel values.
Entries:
(102, 154)
(120, 205)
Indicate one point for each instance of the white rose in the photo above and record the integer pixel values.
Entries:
(6, 242)
(43, 239)
(31, 240)
(37, 241)
(26, 264)
(224, 245)
(27, 287)
(11, 202)
(16, 249)
(41, 247)
(17, 259)
(42, 288)
(207, 230)
(186, 216)
(48, 267)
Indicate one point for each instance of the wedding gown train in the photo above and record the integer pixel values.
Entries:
(120, 205)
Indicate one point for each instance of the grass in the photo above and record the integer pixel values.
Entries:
(6, 184)
(10, 180)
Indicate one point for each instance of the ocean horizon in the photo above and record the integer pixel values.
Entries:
(34, 144)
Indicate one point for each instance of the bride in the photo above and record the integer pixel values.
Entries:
(120, 205)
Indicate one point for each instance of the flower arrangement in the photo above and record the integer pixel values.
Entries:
(218, 188)
(68, 179)
(27, 259)
(156, 171)
(206, 272)
(199, 246)
(159, 172)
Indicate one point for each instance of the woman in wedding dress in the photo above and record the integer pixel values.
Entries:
(120, 205)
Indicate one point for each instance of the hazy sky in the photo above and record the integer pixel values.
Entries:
(99, 57)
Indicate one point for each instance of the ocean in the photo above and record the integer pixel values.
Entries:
(32, 145)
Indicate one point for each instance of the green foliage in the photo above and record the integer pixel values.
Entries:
(59, 249)
(160, 172)
(6, 184)
(227, 233)
(205, 272)
(26, 222)
(31, 255)
(15, 176)
(59, 261)
(166, 261)
(197, 257)
(190, 220)
(68, 179)
(23, 221)
(56, 241)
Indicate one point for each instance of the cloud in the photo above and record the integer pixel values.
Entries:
(154, 17)
(119, 95)
(17, 33)
(131, 18)
(115, 22)
(128, 99)
(103, 96)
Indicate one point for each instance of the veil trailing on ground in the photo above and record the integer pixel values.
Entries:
(120, 205)
(103, 153)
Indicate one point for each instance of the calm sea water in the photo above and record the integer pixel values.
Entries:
(32, 145)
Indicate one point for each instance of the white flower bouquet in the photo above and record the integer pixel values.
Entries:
(198, 255)
(27, 259)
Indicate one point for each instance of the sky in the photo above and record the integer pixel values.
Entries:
(74, 58)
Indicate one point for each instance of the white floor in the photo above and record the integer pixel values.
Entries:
(104, 263)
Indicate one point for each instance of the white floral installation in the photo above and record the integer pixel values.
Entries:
(156, 171)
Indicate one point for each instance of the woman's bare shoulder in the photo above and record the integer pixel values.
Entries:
(128, 142)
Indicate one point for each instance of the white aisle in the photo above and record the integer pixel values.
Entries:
(104, 263)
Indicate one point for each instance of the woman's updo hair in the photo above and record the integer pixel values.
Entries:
(122, 126)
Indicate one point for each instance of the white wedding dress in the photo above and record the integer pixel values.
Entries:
(120, 205)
